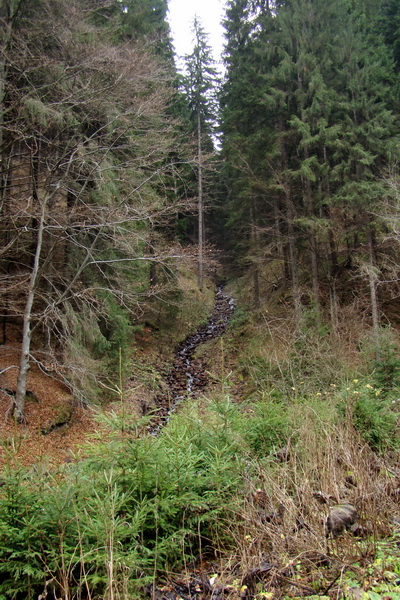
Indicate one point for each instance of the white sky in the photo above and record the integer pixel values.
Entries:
(181, 15)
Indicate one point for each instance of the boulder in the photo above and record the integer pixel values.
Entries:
(341, 516)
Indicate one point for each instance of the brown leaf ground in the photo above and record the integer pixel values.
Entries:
(50, 402)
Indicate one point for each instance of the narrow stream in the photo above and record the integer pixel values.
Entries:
(187, 375)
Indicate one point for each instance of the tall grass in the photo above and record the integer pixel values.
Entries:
(210, 486)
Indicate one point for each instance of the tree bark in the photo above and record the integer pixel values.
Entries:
(5, 36)
(372, 278)
(255, 248)
(277, 229)
(5, 31)
(153, 279)
(290, 232)
(19, 411)
(333, 306)
(312, 241)
(200, 206)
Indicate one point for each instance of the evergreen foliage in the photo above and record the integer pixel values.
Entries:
(199, 84)
(309, 127)
(138, 507)
(97, 138)
(88, 142)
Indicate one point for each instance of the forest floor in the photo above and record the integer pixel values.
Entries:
(56, 426)
(276, 557)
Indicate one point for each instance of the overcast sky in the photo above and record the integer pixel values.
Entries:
(181, 14)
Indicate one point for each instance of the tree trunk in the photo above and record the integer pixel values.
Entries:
(290, 232)
(312, 239)
(293, 257)
(19, 411)
(373, 278)
(277, 229)
(314, 271)
(6, 175)
(6, 15)
(200, 207)
(153, 279)
(5, 34)
(255, 247)
(333, 306)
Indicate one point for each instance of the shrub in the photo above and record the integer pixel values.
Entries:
(383, 358)
(373, 414)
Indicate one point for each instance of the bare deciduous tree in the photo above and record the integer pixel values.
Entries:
(86, 142)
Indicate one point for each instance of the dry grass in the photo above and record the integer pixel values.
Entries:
(279, 529)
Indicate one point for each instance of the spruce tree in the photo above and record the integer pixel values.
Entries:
(390, 26)
(89, 137)
(199, 83)
(320, 103)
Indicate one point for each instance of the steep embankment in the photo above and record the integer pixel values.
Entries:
(57, 426)
(229, 501)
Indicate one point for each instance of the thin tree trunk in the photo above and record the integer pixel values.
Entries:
(286, 260)
(26, 332)
(372, 278)
(293, 257)
(333, 253)
(6, 166)
(5, 34)
(277, 229)
(153, 280)
(290, 231)
(314, 271)
(332, 257)
(333, 306)
(312, 241)
(7, 11)
(200, 207)
(255, 247)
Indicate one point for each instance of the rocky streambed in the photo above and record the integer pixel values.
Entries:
(188, 373)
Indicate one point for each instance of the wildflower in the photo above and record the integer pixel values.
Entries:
(348, 389)
(369, 386)
(318, 394)
(355, 380)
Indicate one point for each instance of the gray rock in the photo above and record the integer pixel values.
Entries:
(341, 516)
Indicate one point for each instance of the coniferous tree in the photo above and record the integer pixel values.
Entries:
(390, 26)
(146, 20)
(247, 141)
(323, 78)
(86, 140)
(199, 83)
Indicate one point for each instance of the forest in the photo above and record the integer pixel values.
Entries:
(199, 303)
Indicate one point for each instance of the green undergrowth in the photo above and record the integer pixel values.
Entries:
(140, 507)
(376, 579)
(101, 346)
(181, 311)
(140, 504)
(284, 363)
(245, 472)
